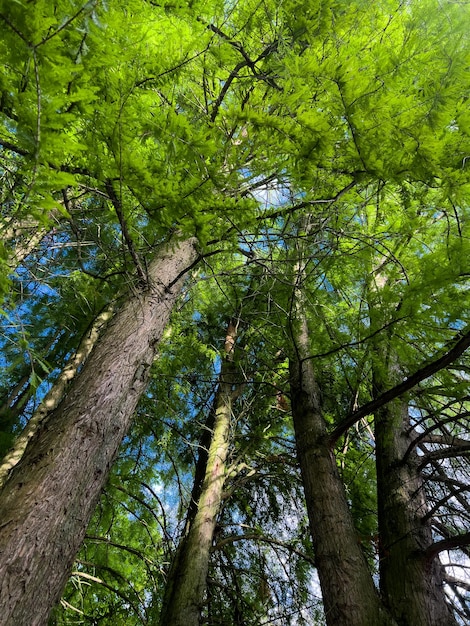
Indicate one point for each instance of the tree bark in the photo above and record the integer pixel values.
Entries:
(47, 502)
(26, 235)
(187, 580)
(349, 594)
(412, 584)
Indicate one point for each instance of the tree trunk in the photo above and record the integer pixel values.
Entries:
(47, 502)
(410, 582)
(349, 595)
(54, 395)
(187, 581)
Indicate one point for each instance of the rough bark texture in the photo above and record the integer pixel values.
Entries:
(349, 595)
(46, 503)
(54, 395)
(187, 581)
(411, 584)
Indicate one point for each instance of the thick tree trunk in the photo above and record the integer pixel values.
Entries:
(187, 581)
(411, 584)
(46, 503)
(349, 595)
(54, 395)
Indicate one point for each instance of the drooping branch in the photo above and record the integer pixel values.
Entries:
(446, 439)
(444, 531)
(462, 343)
(120, 546)
(428, 436)
(453, 493)
(451, 580)
(256, 536)
(456, 491)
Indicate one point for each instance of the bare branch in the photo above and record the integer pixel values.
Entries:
(462, 343)
(450, 543)
(446, 453)
(141, 273)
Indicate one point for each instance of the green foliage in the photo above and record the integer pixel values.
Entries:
(321, 145)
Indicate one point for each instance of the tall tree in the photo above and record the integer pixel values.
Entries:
(55, 394)
(126, 126)
(411, 578)
(188, 574)
(348, 590)
(80, 437)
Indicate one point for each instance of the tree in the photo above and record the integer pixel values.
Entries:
(340, 130)
(55, 394)
(410, 576)
(106, 158)
(81, 437)
(188, 575)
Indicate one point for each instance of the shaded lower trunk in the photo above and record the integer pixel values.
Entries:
(187, 579)
(410, 582)
(47, 502)
(349, 595)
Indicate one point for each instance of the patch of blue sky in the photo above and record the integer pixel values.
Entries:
(33, 286)
(272, 194)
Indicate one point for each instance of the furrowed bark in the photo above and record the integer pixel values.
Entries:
(47, 502)
(349, 595)
(187, 581)
(412, 585)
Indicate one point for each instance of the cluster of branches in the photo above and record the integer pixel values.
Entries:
(235, 272)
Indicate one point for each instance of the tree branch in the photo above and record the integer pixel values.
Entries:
(141, 273)
(306, 203)
(445, 439)
(13, 148)
(448, 544)
(462, 343)
(247, 62)
(451, 580)
(446, 453)
(255, 536)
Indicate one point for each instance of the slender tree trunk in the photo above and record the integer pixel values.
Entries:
(13, 402)
(410, 582)
(187, 581)
(25, 247)
(54, 395)
(349, 595)
(47, 502)
(26, 236)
